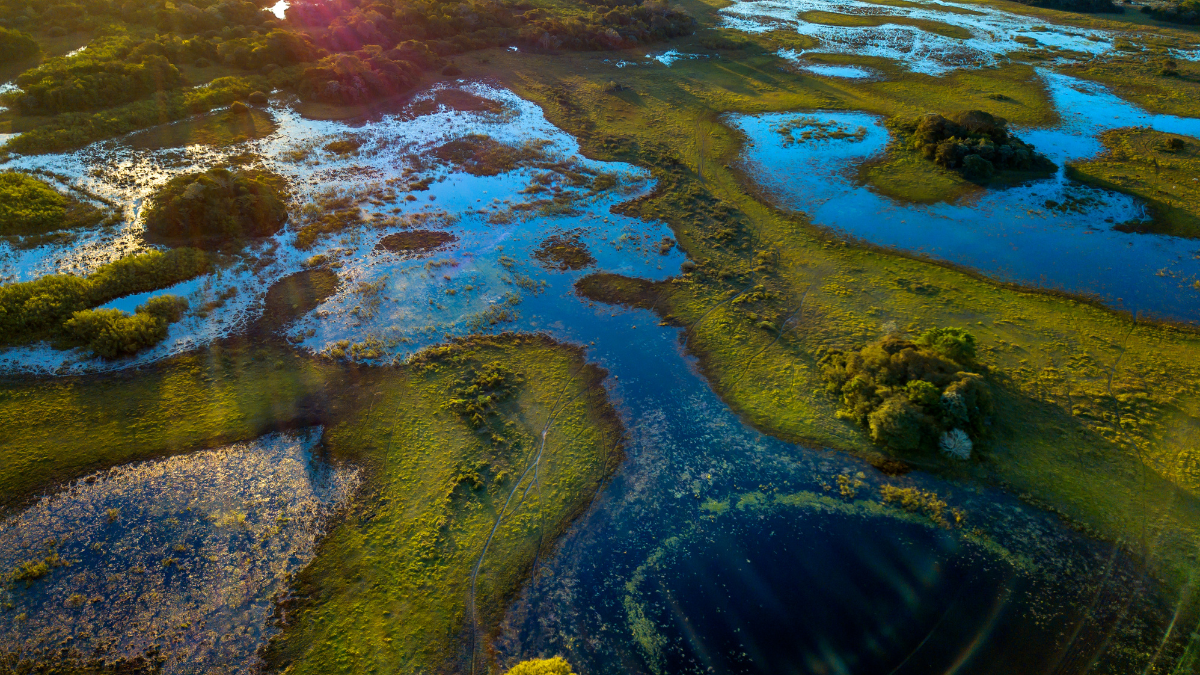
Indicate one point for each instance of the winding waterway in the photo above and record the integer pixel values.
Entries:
(652, 578)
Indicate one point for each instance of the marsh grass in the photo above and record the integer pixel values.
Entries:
(1161, 169)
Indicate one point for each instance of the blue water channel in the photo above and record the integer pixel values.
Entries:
(1053, 233)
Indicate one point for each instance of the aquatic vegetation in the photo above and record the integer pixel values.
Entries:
(29, 205)
(39, 309)
(1161, 169)
(564, 252)
(187, 525)
(416, 241)
(217, 209)
(974, 142)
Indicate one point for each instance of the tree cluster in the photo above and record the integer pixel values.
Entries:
(216, 209)
(110, 72)
(974, 142)
(16, 46)
(913, 395)
(38, 309)
(1185, 12)
(381, 49)
(111, 333)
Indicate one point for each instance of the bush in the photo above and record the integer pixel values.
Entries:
(1186, 12)
(38, 309)
(974, 142)
(16, 46)
(555, 666)
(217, 208)
(909, 395)
(29, 205)
(955, 344)
(111, 333)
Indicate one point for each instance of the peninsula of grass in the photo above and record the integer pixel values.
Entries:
(31, 206)
(524, 440)
(1163, 170)
(217, 209)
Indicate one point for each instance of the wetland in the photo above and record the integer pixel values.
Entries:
(735, 337)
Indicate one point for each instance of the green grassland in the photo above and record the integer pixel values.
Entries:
(390, 588)
(1096, 410)
(1160, 169)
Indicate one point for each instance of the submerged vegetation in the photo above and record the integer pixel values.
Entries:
(217, 208)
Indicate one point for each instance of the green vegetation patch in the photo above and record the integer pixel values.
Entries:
(913, 396)
(481, 155)
(217, 208)
(30, 206)
(563, 252)
(525, 440)
(17, 46)
(40, 309)
(1161, 169)
(296, 295)
(416, 241)
(973, 142)
(552, 666)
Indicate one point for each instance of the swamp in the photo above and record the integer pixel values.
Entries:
(568, 336)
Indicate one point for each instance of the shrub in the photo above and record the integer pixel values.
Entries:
(955, 344)
(29, 205)
(38, 309)
(216, 208)
(554, 666)
(111, 333)
(16, 46)
(908, 395)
